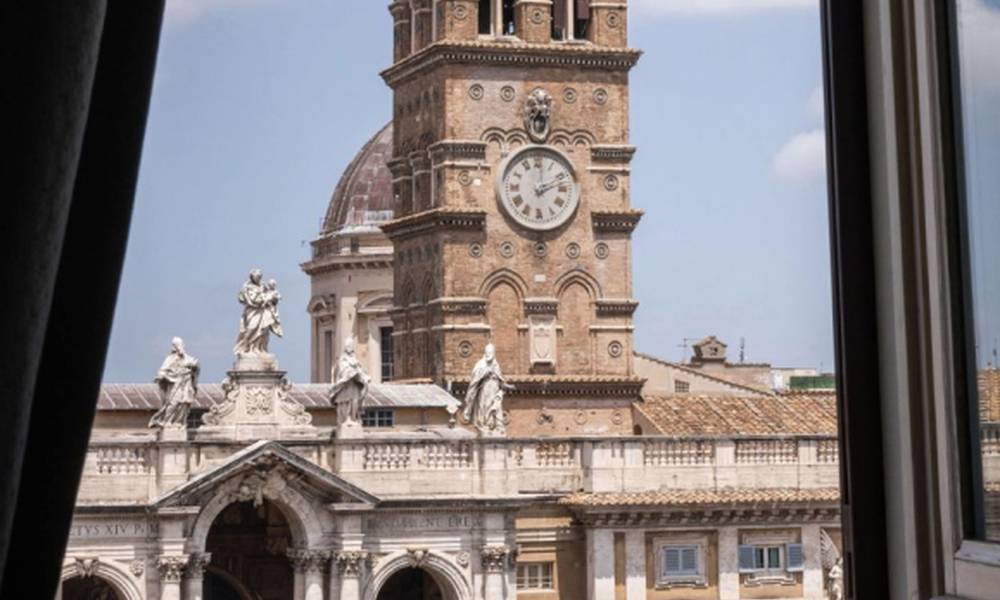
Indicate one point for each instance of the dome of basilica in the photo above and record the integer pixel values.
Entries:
(363, 196)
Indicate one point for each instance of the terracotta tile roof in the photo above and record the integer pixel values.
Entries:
(787, 414)
(989, 395)
(755, 496)
(146, 396)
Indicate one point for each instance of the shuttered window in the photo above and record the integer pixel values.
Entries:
(679, 561)
(796, 558)
(757, 558)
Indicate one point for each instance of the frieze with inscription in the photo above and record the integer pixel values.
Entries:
(423, 522)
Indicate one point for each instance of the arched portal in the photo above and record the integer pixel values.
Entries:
(411, 584)
(248, 544)
(89, 588)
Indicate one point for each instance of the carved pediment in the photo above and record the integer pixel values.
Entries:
(263, 471)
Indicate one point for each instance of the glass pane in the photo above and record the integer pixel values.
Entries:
(978, 46)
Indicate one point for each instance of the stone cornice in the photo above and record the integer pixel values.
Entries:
(618, 153)
(470, 305)
(623, 221)
(457, 149)
(603, 386)
(436, 218)
(541, 306)
(511, 53)
(608, 307)
(328, 263)
(657, 516)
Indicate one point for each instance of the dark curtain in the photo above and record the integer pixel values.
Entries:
(78, 76)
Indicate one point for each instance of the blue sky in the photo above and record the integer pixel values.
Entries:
(258, 105)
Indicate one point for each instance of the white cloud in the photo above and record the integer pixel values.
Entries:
(802, 159)
(183, 12)
(696, 8)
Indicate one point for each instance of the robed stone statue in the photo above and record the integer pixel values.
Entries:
(260, 315)
(178, 381)
(484, 398)
(350, 386)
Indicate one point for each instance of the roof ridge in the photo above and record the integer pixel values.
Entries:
(701, 374)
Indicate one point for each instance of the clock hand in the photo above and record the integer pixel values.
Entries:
(542, 188)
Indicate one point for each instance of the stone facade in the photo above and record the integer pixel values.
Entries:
(593, 491)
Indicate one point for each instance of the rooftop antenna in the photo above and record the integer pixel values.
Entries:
(685, 342)
(743, 350)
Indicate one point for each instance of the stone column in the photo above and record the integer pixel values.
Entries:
(729, 564)
(171, 571)
(315, 568)
(350, 563)
(812, 573)
(635, 564)
(494, 560)
(194, 576)
(600, 564)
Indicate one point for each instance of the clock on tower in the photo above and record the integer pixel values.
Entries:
(513, 219)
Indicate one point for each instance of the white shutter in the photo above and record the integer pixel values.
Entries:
(689, 559)
(795, 557)
(746, 556)
(671, 560)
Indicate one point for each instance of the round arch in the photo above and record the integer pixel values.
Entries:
(446, 573)
(124, 585)
(305, 525)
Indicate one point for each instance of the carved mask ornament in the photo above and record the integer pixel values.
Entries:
(538, 115)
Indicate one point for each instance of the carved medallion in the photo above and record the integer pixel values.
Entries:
(573, 250)
(476, 91)
(580, 417)
(465, 178)
(507, 93)
(600, 96)
(475, 249)
(537, 16)
(465, 348)
(613, 19)
(615, 349)
(540, 249)
(137, 567)
(569, 95)
(601, 250)
(617, 417)
(462, 558)
(611, 182)
(506, 249)
(460, 11)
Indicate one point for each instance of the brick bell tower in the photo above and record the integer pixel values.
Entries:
(513, 220)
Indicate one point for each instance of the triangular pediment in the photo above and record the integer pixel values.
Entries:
(251, 470)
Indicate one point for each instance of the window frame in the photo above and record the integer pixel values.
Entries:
(540, 564)
(377, 417)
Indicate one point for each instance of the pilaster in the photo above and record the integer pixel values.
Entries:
(729, 572)
(635, 564)
(171, 570)
(600, 564)
(812, 574)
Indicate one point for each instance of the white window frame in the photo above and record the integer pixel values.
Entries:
(696, 579)
(541, 575)
(370, 417)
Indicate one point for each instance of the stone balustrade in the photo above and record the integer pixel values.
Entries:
(136, 471)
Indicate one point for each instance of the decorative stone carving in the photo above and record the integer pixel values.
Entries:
(460, 11)
(833, 564)
(86, 567)
(308, 561)
(349, 390)
(538, 115)
(573, 250)
(197, 563)
(465, 178)
(137, 567)
(416, 557)
(178, 382)
(569, 95)
(171, 568)
(506, 249)
(260, 317)
(615, 349)
(475, 250)
(613, 19)
(601, 96)
(601, 250)
(494, 558)
(465, 348)
(542, 334)
(507, 93)
(611, 182)
(264, 482)
(476, 91)
(351, 562)
(540, 249)
(484, 399)
(617, 417)
(462, 558)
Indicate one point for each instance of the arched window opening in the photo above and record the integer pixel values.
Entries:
(570, 19)
(88, 588)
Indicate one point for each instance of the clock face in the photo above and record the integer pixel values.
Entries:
(537, 187)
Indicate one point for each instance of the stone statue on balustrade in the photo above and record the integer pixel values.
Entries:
(350, 388)
(178, 382)
(260, 319)
(483, 405)
(833, 564)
